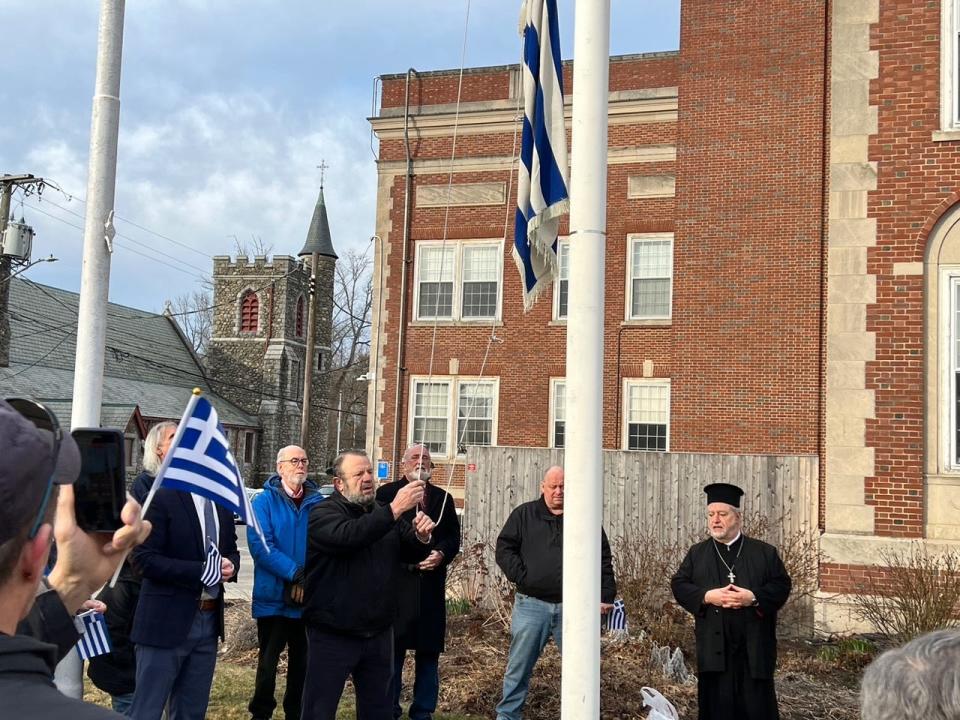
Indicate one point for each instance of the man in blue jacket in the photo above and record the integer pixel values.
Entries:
(282, 510)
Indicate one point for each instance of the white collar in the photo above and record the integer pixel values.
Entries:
(734, 540)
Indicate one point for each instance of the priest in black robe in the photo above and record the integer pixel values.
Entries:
(734, 586)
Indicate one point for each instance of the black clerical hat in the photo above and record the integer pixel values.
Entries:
(723, 492)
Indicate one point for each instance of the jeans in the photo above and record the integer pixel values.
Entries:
(122, 703)
(426, 684)
(531, 626)
(274, 633)
(178, 677)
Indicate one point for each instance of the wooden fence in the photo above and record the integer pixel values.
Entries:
(645, 493)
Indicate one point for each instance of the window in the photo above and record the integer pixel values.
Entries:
(458, 280)
(129, 452)
(434, 402)
(249, 446)
(299, 321)
(249, 312)
(558, 412)
(561, 288)
(650, 276)
(296, 380)
(646, 414)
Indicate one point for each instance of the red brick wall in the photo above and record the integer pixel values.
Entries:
(749, 208)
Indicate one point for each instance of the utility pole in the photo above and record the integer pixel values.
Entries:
(339, 416)
(7, 184)
(98, 226)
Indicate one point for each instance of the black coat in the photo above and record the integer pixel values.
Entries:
(26, 684)
(353, 559)
(171, 561)
(116, 672)
(760, 570)
(421, 595)
(530, 553)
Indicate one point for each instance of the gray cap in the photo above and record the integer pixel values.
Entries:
(27, 465)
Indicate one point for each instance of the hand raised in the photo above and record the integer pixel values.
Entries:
(407, 497)
(423, 526)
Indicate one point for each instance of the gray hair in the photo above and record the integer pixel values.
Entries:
(919, 680)
(282, 450)
(151, 462)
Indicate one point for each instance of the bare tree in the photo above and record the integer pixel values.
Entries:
(194, 315)
(251, 248)
(350, 347)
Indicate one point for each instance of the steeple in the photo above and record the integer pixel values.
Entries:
(318, 236)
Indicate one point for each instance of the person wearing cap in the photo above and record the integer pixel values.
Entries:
(179, 615)
(733, 585)
(530, 553)
(40, 463)
(421, 623)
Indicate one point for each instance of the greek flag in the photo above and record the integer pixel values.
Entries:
(542, 195)
(617, 618)
(213, 570)
(200, 462)
(94, 638)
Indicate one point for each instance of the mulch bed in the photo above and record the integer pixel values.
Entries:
(472, 674)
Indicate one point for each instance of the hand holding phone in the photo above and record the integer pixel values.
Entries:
(101, 489)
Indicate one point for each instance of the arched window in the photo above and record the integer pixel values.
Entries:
(249, 312)
(300, 316)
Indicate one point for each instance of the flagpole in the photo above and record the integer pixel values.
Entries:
(583, 460)
(181, 428)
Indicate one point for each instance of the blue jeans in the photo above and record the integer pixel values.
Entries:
(531, 626)
(179, 675)
(122, 703)
(426, 684)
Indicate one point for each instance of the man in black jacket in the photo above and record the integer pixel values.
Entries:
(421, 592)
(530, 553)
(354, 547)
(40, 462)
(733, 585)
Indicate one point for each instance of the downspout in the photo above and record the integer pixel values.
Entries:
(398, 391)
(824, 229)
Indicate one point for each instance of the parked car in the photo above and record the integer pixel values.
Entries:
(251, 494)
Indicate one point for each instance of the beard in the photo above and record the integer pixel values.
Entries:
(359, 498)
(421, 474)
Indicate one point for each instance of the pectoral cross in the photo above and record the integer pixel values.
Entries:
(731, 576)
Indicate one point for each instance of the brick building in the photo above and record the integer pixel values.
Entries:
(783, 262)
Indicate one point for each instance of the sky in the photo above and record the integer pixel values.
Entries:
(227, 109)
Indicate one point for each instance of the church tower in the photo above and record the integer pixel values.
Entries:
(257, 353)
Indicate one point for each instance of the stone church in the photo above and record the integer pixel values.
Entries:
(253, 371)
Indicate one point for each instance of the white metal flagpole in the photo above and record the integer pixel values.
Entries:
(583, 462)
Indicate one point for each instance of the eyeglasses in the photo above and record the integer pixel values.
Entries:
(40, 416)
(297, 461)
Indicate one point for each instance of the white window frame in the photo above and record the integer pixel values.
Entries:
(634, 239)
(453, 383)
(456, 309)
(562, 242)
(949, 65)
(556, 383)
(950, 334)
(625, 409)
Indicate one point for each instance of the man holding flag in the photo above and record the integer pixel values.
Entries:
(191, 553)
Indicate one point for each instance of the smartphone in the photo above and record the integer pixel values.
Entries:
(101, 489)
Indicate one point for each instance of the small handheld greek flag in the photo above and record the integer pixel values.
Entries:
(617, 618)
(542, 195)
(212, 571)
(94, 637)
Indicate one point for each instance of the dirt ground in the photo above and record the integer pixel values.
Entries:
(809, 687)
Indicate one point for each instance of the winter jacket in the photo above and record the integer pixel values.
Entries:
(284, 528)
(26, 684)
(530, 553)
(353, 557)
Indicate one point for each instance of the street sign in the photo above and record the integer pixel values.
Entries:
(383, 469)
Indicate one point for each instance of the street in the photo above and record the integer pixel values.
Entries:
(243, 588)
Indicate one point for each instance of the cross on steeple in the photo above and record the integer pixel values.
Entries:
(322, 167)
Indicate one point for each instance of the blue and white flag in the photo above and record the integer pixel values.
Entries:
(542, 195)
(200, 462)
(617, 618)
(94, 638)
(213, 569)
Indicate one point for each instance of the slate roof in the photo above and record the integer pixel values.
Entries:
(148, 362)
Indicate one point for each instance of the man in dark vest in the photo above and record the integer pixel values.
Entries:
(421, 598)
(734, 586)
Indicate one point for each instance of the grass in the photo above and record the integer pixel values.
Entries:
(231, 691)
